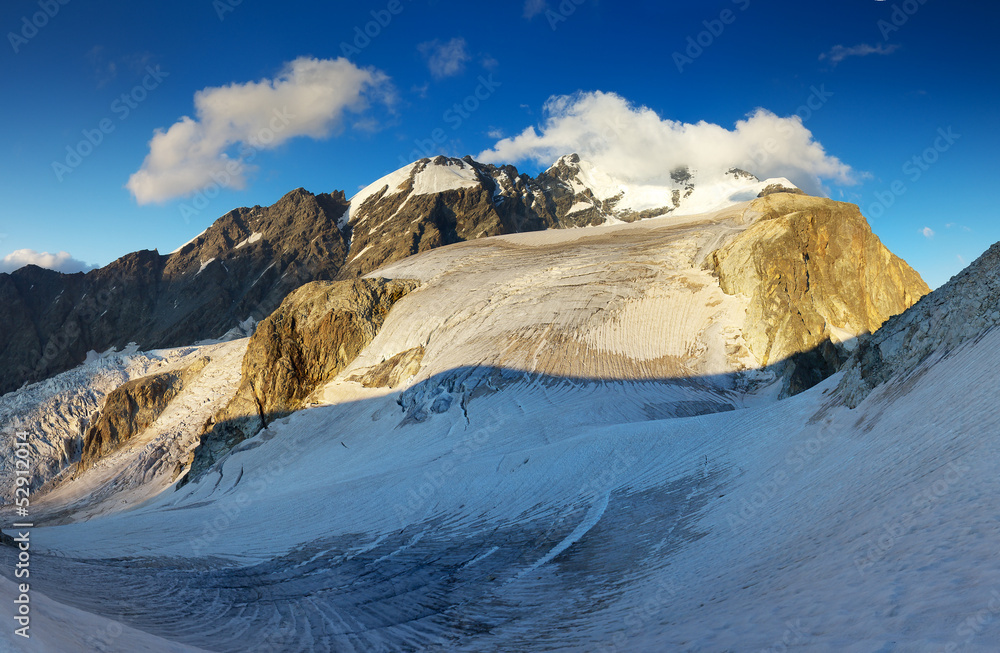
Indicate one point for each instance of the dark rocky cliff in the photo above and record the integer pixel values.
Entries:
(241, 267)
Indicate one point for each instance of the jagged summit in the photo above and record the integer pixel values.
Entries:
(571, 192)
(604, 194)
(241, 267)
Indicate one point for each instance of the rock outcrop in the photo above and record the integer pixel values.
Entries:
(393, 371)
(960, 311)
(316, 332)
(771, 189)
(817, 277)
(130, 409)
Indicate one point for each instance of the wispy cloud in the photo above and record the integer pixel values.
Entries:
(445, 59)
(636, 145)
(839, 52)
(534, 7)
(60, 261)
(310, 97)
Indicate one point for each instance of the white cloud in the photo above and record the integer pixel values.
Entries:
(927, 232)
(635, 145)
(308, 98)
(60, 262)
(445, 59)
(838, 53)
(534, 7)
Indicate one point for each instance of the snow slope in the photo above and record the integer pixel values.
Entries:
(561, 474)
(617, 302)
(787, 524)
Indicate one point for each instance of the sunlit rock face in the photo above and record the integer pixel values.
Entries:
(817, 277)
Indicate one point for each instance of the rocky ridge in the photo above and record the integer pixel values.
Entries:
(963, 310)
(239, 269)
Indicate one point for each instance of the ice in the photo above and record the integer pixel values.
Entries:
(204, 264)
(390, 183)
(253, 238)
(572, 468)
(453, 175)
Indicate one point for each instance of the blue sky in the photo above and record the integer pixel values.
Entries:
(875, 84)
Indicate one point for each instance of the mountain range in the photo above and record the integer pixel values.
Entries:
(242, 266)
(469, 409)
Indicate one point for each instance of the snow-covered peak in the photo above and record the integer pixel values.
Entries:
(428, 176)
(681, 192)
(573, 192)
(190, 241)
(392, 183)
(780, 183)
(442, 174)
